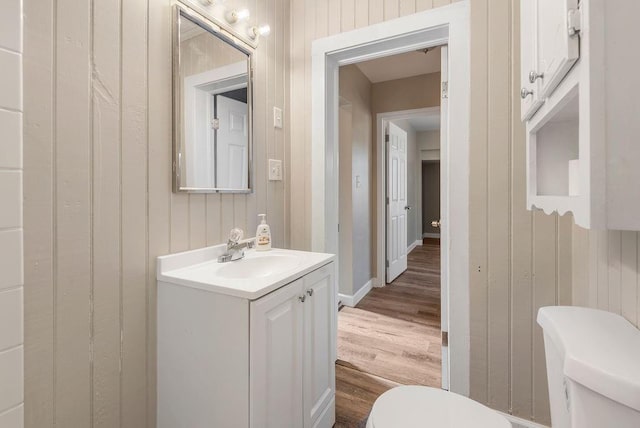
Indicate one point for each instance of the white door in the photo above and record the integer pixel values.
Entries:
(444, 210)
(320, 347)
(530, 99)
(232, 144)
(558, 45)
(276, 355)
(396, 202)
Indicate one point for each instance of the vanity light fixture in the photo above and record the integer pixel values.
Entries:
(237, 15)
(255, 32)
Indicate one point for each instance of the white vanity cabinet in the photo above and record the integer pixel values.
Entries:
(227, 359)
(578, 98)
(293, 354)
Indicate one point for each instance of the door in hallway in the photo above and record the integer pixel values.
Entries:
(396, 202)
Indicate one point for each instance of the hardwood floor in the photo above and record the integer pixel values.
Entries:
(392, 337)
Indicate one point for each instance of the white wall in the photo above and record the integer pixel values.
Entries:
(429, 145)
(11, 258)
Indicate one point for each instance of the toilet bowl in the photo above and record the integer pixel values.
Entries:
(422, 407)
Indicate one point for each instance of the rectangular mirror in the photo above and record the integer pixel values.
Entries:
(212, 108)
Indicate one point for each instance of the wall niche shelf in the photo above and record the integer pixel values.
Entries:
(583, 133)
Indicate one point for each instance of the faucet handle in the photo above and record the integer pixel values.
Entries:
(235, 235)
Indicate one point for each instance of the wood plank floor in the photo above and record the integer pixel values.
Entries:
(392, 337)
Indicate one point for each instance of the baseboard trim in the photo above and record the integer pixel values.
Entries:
(431, 235)
(413, 245)
(351, 301)
(521, 423)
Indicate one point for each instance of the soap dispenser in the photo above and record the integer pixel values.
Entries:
(263, 235)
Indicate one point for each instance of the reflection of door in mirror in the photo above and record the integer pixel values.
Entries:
(232, 149)
(214, 152)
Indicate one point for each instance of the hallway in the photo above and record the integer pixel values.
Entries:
(392, 337)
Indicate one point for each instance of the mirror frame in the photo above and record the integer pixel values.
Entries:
(180, 10)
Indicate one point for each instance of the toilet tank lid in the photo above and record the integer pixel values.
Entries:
(601, 350)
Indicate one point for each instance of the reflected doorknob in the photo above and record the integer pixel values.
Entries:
(408, 207)
(435, 223)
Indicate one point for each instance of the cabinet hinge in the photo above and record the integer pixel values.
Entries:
(387, 199)
(387, 263)
(574, 22)
(445, 89)
(445, 338)
(215, 123)
(386, 138)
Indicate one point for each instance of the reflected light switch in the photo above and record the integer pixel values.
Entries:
(275, 170)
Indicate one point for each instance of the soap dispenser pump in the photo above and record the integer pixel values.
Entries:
(263, 235)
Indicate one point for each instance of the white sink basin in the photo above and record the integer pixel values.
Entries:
(258, 266)
(252, 277)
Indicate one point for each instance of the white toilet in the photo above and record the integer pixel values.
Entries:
(421, 407)
(593, 368)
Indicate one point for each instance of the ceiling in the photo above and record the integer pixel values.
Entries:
(429, 122)
(400, 66)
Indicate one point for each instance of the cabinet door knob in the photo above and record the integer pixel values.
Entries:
(533, 76)
(302, 298)
(524, 93)
(310, 292)
(435, 223)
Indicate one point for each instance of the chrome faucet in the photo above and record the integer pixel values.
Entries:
(236, 246)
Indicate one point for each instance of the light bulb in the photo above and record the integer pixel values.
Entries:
(237, 16)
(263, 30)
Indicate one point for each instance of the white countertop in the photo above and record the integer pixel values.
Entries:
(198, 269)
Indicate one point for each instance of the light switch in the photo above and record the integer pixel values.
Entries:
(275, 170)
(277, 117)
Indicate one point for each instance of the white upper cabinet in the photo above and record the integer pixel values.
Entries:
(549, 45)
(581, 110)
(530, 99)
(558, 42)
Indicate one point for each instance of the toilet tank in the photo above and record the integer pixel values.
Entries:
(593, 368)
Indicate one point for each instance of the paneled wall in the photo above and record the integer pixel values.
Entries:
(606, 271)
(99, 207)
(519, 260)
(11, 225)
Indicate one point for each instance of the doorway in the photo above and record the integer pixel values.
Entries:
(443, 26)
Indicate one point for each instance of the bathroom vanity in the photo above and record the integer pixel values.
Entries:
(248, 343)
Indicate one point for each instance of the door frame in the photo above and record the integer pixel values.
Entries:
(446, 25)
(382, 119)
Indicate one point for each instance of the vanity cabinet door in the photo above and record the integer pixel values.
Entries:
(320, 318)
(276, 349)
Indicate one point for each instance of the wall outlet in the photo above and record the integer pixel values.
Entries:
(275, 170)
(277, 117)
